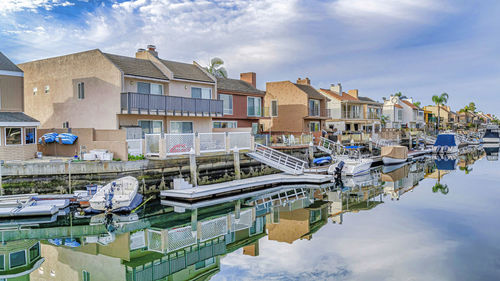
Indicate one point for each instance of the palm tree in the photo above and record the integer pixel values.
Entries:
(400, 95)
(417, 104)
(439, 186)
(439, 101)
(472, 107)
(216, 69)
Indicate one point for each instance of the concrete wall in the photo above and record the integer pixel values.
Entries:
(11, 93)
(200, 124)
(103, 84)
(292, 107)
(112, 140)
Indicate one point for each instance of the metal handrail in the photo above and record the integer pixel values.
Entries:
(280, 157)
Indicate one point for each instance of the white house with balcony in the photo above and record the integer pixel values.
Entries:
(413, 116)
(393, 110)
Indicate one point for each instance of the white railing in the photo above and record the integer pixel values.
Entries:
(179, 238)
(326, 145)
(212, 228)
(134, 147)
(179, 143)
(280, 159)
(245, 221)
(212, 142)
(242, 140)
(152, 144)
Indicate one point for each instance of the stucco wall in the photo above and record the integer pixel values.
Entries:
(11, 93)
(130, 85)
(200, 124)
(62, 74)
(16, 152)
(183, 89)
(292, 107)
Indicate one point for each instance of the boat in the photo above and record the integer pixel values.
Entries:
(445, 163)
(27, 206)
(394, 154)
(116, 196)
(491, 150)
(491, 134)
(350, 162)
(446, 144)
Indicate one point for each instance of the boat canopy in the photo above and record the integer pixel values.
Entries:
(445, 165)
(445, 140)
(395, 151)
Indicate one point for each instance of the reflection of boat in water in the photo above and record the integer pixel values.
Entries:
(491, 150)
(445, 163)
(366, 179)
(395, 154)
(491, 134)
(446, 144)
(118, 195)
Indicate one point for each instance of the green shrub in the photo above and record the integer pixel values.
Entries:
(135, 158)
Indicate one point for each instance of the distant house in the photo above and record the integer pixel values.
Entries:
(18, 135)
(351, 112)
(446, 117)
(294, 107)
(393, 110)
(242, 102)
(105, 91)
(413, 116)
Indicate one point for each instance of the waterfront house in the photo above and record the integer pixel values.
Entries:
(351, 112)
(446, 117)
(105, 91)
(242, 102)
(413, 116)
(18, 133)
(294, 107)
(393, 110)
(19, 258)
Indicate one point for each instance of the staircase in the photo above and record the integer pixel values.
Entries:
(278, 160)
(326, 145)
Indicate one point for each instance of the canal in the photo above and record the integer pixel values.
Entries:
(433, 219)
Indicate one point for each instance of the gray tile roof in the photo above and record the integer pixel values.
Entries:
(8, 65)
(186, 71)
(136, 67)
(310, 91)
(236, 85)
(369, 100)
(16, 117)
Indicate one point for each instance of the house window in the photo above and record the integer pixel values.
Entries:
(227, 102)
(35, 91)
(255, 128)
(17, 259)
(2, 262)
(81, 90)
(400, 114)
(225, 124)
(151, 126)
(35, 252)
(47, 89)
(181, 127)
(201, 93)
(313, 107)
(65, 125)
(274, 108)
(149, 88)
(29, 135)
(314, 126)
(13, 136)
(85, 275)
(253, 106)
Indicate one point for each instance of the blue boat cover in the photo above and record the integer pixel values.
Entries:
(354, 147)
(445, 165)
(49, 138)
(66, 138)
(322, 160)
(445, 139)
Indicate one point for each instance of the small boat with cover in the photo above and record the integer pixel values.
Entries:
(394, 154)
(446, 144)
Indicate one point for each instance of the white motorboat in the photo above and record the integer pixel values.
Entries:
(27, 206)
(351, 166)
(115, 195)
(491, 134)
(394, 154)
(447, 143)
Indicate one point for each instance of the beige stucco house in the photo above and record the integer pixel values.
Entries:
(17, 130)
(98, 90)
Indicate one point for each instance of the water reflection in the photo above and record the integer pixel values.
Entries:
(182, 241)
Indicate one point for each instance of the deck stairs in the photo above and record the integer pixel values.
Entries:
(278, 160)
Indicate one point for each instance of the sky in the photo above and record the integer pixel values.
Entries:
(418, 47)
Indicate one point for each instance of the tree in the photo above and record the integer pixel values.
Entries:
(383, 120)
(443, 188)
(472, 107)
(400, 95)
(439, 101)
(216, 69)
(417, 103)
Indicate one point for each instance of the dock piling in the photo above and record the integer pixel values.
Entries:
(311, 152)
(192, 168)
(236, 160)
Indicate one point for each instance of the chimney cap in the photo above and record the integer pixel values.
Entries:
(141, 50)
(151, 47)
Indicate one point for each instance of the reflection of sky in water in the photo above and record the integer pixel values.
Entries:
(423, 236)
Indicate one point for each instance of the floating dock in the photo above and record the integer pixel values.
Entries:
(241, 186)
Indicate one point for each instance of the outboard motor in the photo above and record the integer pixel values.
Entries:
(445, 149)
(438, 149)
(338, 173)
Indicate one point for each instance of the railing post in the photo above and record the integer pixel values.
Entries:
(197, 143)
(228, 142)
(129, 100)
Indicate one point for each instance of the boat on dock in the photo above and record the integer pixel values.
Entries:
(394, 154)
(351, 162)
(446, 143)
(118, 195)
(491, 134)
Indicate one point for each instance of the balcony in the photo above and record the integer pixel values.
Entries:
(351, 115)
(318, 113)
(373, 115)
(169, 105)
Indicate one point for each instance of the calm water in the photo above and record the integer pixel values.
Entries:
(423, 221)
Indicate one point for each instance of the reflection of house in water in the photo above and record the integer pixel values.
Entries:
(18, 259)
(403, 179)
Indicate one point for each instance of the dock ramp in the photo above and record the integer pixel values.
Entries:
(326, 145)
(278, 160)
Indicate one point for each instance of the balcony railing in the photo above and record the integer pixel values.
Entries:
(159, 104)
(351, 115)
(318, 112)
(373, 115)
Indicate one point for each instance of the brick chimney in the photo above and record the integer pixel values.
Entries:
(249, 77)
(304, 81)
(353, 93)
(336, 88)
(142, 53)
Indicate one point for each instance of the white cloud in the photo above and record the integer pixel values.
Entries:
(9, 6)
